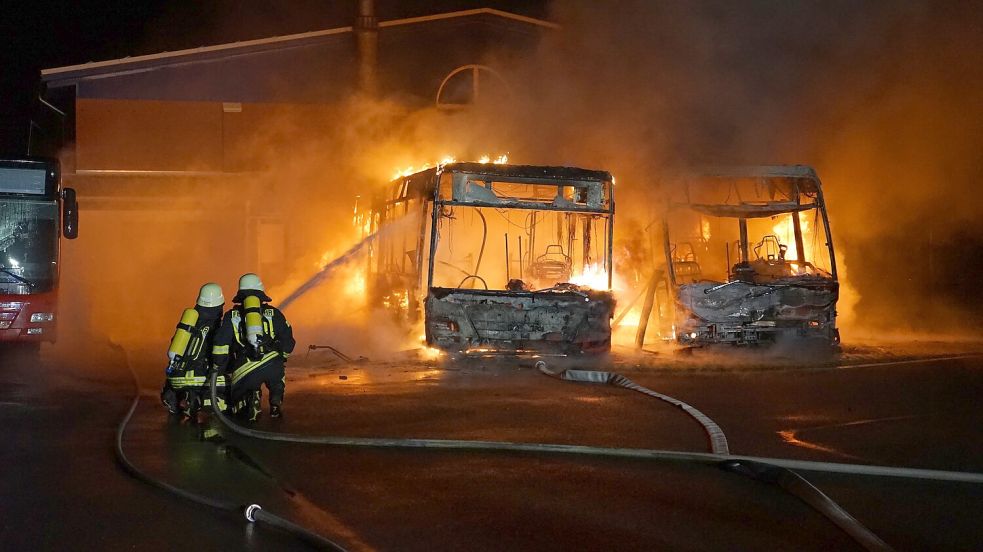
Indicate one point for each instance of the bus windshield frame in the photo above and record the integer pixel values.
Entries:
(29, 226)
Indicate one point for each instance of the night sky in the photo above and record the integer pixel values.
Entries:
(42, 34)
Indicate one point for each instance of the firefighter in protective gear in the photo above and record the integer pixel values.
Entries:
(251, 349)
(189, 356)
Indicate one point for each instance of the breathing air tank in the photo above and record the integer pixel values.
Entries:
(179, 343)
(254, 320)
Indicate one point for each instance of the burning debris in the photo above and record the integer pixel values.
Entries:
(502, 258)
(750, 258)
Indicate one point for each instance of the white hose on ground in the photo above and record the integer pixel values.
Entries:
(791, 482)
(799, 487)
(717, 439)
(773, 470)
(581, 450)
(252, 512)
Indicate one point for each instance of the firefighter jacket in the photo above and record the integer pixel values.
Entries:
(191, 370)
(231, 349)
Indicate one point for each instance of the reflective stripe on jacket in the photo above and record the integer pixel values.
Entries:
(230, 351)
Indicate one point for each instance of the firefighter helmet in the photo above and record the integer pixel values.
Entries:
(211, 296)
(251, 281)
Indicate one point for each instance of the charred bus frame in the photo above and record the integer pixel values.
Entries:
(755, 300)
(536, 308)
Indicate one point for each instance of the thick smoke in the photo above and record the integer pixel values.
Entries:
(883, 98)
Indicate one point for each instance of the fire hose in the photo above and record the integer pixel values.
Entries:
(718, 441)
(776, 471)
(252, 512)
(788, 480)
(799, 487)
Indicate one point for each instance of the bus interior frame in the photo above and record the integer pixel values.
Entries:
(764, 297)
(425, 210)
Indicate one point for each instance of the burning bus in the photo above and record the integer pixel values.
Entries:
(35, 213)
(750, 257)
(497, 258)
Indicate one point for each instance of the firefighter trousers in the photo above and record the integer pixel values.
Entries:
(188, 391)
(249, 377)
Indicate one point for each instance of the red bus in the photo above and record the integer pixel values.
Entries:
(35, 214)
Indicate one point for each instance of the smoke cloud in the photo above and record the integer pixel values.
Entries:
(883, 98)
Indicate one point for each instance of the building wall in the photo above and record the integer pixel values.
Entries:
(159, 135)
(168, 114)
(148, 135)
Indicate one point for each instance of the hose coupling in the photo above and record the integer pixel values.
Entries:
(250, 510)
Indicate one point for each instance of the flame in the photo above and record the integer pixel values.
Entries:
(427, 352)
(632, 319)
(412, 169)
(397, 298)
(362, 220)
(593, 276)
(326, 258)
(786, 234)
(445, 160)
(500, 160)
(355, 286)
(403, 173)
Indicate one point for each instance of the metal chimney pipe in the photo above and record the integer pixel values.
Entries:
(367, 45)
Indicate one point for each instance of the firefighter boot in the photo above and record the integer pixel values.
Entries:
(255, 406)
(169, 398)
(275, 411)
(193, 405)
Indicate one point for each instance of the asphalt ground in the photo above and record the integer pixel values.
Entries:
(61, 488)
(68, 491)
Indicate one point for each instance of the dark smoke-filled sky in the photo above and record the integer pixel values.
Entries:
(884, 98)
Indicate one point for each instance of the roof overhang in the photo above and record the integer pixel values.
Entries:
(136, 64)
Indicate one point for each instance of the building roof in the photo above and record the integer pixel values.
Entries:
(137, 64)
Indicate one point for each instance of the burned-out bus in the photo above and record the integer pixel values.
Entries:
(497, 258)
(750, 257)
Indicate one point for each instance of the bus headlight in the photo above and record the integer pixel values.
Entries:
(42, 317)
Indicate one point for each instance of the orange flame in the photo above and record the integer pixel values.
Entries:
(411, 169)
(785, 231)
(593, 276)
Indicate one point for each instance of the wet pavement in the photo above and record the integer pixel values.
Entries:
(68, 492)
(61, 488)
